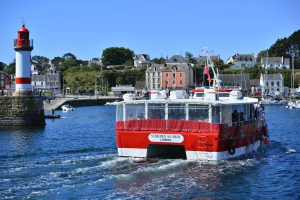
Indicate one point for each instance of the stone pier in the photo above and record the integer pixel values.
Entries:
(21, 111)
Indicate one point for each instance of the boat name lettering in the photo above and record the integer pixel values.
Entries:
(171, 138)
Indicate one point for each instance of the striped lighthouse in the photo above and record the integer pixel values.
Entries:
(23, 47)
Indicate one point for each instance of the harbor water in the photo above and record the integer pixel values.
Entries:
(75, 157)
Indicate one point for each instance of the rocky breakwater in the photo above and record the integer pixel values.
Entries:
(21, 111)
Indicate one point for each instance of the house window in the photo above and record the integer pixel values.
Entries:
(278, 83)
(173, 75)
(180, 82)
(167, 74)
(158, 85)
(180, 74)
(167, 83)
(272, 83)
(267, 84)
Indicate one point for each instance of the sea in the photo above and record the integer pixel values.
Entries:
(75, 157)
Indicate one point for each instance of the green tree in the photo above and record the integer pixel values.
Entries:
(11, 68)
(69, 56)
(40, 60)
(117, 56)
(160, 60)
(57, 61)
(188, 56)
(2, 66)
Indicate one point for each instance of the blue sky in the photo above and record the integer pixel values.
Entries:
(156, 27)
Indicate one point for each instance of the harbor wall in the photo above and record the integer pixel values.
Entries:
(21, 111)
(88, 102)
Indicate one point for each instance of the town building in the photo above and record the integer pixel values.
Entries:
(272, 84)
(47, 84)
(172, 76)
(4, 81)
(255, 87)
(122, 89)
(201, 60)
(154, 76)
(176, 59)
(275, 62)
(95, 61)
(141, 60)
(234, 81)
(241, 60)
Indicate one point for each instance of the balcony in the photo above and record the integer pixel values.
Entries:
(23, 45)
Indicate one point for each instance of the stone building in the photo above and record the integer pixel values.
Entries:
(232, 81)
(48, 84)
(272, 84)
(241, 60)
(172, 76)
(275, 62)
(141, 60)
(4, 81)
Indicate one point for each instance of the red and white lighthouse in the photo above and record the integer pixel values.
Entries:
(23, 47)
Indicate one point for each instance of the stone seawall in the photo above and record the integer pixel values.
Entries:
(21, 111)
(88, 102)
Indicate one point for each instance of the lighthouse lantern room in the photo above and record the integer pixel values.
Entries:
(23, 47)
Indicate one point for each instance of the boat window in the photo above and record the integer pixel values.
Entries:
(223, 94)
(215, 114)
(198, 112)
(240, 113)
(199, 94)
(119, 112)
(156, 111)
(176, 111)
(135, 111)
(226, 114)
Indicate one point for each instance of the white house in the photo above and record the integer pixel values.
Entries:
(48, 83)
(272, 84)
(241, 60)
(275, 62)
(141, 60)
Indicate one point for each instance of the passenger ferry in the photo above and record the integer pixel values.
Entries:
(206, 127)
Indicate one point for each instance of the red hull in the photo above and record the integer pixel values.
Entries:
(198, 136)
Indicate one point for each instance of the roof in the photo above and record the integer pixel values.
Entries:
(122, 88)
(177, 59)
(235, 80)
(23, 29)
(271, 60)
(243, 57)
(271, 76)
(142, 56)
(167, 67)
(155, 68)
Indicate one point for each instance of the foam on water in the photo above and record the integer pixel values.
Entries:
(290, 150)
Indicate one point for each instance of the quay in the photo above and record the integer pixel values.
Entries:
(78, 100)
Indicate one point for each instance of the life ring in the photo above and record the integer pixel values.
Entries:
(230, 146)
